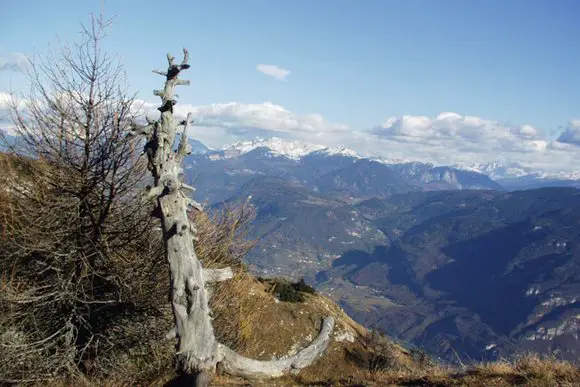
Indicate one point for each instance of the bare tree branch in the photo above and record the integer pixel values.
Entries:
(198, 351)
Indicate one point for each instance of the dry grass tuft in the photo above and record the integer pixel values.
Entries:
(222, 243)
(530, 369)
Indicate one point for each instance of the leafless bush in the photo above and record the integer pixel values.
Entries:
(40, 304)
(376, 354)
(223, 241)
(223, 235)
(78, 256)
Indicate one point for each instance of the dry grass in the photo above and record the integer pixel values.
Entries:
(530, 370)
(274, 328)
(222, 243)
(119, 350)
(251, 320)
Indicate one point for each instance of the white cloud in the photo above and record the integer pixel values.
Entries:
(446, 139)
(528, 131)
(273, 71)
(16, 62)
(263, 116)
(571, 135)
(467, 130)
(450, 138)
(223, 123)
(4, 101)
(5, 104)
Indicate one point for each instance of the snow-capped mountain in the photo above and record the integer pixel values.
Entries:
(509, 175)
(339, 151)
(291, 149)
(498, 170)
(392, 160)
(197, 147)
(513, 170)
(564, 175)
(427, 175)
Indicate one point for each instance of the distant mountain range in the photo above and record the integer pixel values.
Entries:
(445, 257)
(498, 170)
(442, 257)
(465, 274)
(515, 176)
(6, 140)
(343, 166)
(197, 147)
(338, 173)
(510, 176)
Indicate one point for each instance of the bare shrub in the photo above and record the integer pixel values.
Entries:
(223, 241)
(378, 354)
(37, 344)
(78, 256)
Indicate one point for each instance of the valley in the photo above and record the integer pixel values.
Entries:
(436, 257)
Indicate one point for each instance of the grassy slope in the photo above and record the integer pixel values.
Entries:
(251, 319)
(278, 326)
(270, 328)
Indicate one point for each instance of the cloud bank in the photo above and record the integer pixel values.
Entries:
(462, 133)
(446, 139)
(451, 138)
(15, 62)
(273, 71)
(571, 135)
(5, 103)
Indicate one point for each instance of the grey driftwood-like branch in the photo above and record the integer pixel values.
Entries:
(198, 352)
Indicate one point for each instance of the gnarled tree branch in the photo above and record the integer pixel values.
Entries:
(235, 364)
(218, 275)
(197, 349)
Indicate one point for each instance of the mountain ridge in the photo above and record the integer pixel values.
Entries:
(509, 172)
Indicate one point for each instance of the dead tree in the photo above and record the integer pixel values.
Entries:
(198, 352)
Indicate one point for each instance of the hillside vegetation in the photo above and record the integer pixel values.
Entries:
(130, 346)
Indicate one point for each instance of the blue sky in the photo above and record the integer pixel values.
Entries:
(354, 63)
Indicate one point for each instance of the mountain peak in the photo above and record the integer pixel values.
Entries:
(296, 150)
(498, 170)
(292, 149)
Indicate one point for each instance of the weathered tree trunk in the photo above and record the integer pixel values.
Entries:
(197, 349)
(235, 364)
